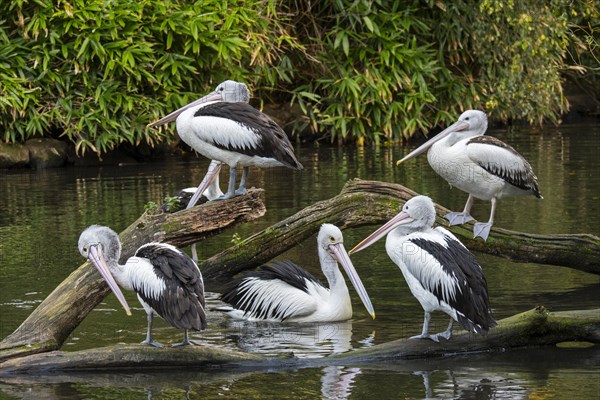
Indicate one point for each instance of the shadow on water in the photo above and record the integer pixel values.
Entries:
(43, 212)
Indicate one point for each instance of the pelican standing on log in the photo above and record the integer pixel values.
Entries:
(439, 270)
(167, 282)
(223, 127)
(483, 166)
(283, 291)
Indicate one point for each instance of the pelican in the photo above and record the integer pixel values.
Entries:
(223, 127)
(167, 282)
(283, 291)
(483, 166)
(439, 270)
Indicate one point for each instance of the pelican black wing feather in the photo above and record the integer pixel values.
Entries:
(522, 177)
(182, 303)
(240, 294)
(471, 300)
(273, 142)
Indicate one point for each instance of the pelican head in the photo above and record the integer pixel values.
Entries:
(228, 91)
(417, 214)
(331, 241)
(102, 247)
(470, 123)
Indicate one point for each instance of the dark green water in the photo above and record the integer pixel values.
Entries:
(43, 212)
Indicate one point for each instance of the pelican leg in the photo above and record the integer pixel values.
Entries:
(149, 340)
(482, 229)
(231, 188)
(186, 340)
(242, 188)
(459, 218)
(425, 331)
(447, 334)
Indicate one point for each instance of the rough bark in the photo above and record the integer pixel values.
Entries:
(62, 311)
(371, 202)
(534, 328)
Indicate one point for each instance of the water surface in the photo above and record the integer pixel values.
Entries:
(43, 212)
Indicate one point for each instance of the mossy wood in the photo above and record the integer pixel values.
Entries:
(364, 202)
(534, 328)
(49, 325)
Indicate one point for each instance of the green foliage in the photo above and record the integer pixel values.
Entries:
(150, 206)
(515, 51)
(373, 77)
(388, 69)
(97, 72)
(172, 203)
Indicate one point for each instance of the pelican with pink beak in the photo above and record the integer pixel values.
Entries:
(483, 166)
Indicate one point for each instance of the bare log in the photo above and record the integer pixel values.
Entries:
(534, 328)
(371, 202)
(62, 311)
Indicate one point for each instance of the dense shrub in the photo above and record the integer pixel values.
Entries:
(388, 69)
(96, 72)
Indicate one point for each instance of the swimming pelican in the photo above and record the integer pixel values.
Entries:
(223, 127)
(483, 166)
(439, 270)
(167, 282)
(283, 291)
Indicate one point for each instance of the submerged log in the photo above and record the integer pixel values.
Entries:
(534, 328)
(50, 324)
(371, 202)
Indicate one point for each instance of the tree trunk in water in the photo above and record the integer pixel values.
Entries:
(533, 328)
(62, 311)
(371, 202)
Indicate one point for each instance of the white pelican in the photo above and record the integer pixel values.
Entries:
(283, 291)
(223, 127)
(167, 282)
(439, 270)
(483, 166)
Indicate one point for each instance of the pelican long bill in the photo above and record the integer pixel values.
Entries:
(399, 219)
(339, 252)
(213, 172)
(457, 126)
(96, 257)
(213, 96)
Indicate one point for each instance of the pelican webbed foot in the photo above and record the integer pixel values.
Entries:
(426, 336)
(186, 341)
(482, 229)
(227, 195)
(152, 343)
(458, 218)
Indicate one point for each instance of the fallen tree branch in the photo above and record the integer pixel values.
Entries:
(49, 325)
(537, 327)
(371, 202)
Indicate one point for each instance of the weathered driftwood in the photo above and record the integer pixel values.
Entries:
(62, 311)
(533, 328)
(371, 202)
